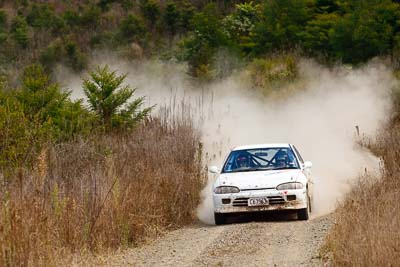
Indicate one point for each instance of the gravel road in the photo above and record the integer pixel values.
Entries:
(278, 240)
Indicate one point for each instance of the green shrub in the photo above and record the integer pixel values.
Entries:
(127, 4)
(317, 34)
(171, 17)
(73, 119)
(273, 72)
(45, 103)
(105, 4)
(131, 28)
(71, 18)
(240, 25)
(52, 54)
(151, 11)
(366, 31)
(206, 37)
(90, 17)
(66, 51)
(75, 58)
(198, 52)
(43, 16)
(282, 22)
(3, 19)
(186, 13)
(36, 114)
(20, 31)
(20, 136)
(38, 96)
(3, 27)
(3, 37)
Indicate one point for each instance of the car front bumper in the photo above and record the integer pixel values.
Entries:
(278, 200)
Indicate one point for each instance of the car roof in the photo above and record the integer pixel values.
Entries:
(274, 145)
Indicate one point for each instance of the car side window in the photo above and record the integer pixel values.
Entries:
(298, 155)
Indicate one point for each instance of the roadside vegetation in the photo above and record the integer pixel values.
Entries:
(77, 177)
(366, 226)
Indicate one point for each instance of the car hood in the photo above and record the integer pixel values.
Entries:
(258, 179)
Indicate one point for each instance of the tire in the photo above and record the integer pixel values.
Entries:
(219, 218)
(303, 214)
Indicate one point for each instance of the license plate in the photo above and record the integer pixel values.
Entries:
(258, 201)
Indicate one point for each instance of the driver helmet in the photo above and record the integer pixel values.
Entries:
(242, 161)
(281, 158)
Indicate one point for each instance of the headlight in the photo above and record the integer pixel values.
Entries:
(289, 186)
(226, 190)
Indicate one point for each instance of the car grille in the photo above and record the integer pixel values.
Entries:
(242, 202)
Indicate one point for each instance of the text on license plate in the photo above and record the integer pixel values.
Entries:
(258, 201)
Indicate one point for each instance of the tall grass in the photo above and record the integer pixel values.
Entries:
(367, 223)
(105, 192)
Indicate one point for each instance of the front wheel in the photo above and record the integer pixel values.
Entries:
(303, 214)
(219, 218)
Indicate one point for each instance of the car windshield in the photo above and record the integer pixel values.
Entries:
(261, 159)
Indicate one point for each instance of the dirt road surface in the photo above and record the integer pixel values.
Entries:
(278, 240)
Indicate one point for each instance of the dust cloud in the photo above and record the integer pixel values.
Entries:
(320, 118)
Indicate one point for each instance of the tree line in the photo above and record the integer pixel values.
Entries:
(348, 31)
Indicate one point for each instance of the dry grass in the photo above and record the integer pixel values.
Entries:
(107, 192)
(366, 231)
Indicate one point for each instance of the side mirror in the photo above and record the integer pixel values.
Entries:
(213, 169)
(307, 164)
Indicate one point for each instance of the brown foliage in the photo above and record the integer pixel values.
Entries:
(107, 192)
(366, 231)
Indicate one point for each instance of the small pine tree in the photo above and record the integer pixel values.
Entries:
(38, 96)
(20, 31)
(108, 98)
(50, 106)
(131, 28)
(171, 17)
(151, 11)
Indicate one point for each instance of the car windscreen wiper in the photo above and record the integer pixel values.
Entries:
(248, 170)
(283, 168)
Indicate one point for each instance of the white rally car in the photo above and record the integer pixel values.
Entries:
(260, 178)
